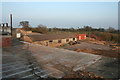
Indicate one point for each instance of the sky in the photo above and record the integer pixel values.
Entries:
(62, 14)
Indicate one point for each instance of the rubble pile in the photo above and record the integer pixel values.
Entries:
(83, 74)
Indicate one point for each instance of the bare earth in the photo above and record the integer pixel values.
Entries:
(107, 66)
(94, 49)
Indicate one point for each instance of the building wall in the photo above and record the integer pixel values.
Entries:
(84, 37)
(6, 41)
(76, 39)
(9, 30)
(54, 43)
(63, 40)
(79, 37)
(70, 39)
(1, 29)
(5, 29)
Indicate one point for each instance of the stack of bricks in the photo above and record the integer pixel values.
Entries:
(6, 41)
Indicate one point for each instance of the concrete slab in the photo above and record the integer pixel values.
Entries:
(18, 63)
(106, 67)
(60, 61)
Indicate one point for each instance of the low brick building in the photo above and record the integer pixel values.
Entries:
(52, 39)
(49, 39)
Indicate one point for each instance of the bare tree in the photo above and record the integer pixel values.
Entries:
(87, 28)
(42, 29)
(25, 25)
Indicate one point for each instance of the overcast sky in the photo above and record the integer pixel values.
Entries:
(62, 14)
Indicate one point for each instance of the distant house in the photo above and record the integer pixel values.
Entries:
(5, 29)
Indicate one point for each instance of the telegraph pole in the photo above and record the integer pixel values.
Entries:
(11, 23)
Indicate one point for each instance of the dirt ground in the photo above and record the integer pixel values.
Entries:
(93, 48)
(108, 53)
(106, 68)
(111, 58)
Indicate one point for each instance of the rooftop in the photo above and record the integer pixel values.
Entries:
(41, 37)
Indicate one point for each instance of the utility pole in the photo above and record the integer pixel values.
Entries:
(11, 23)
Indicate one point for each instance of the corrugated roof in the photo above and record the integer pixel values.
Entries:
(42, 37)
